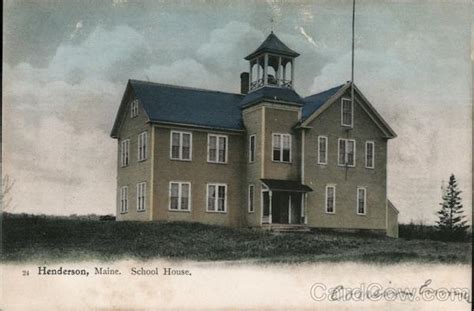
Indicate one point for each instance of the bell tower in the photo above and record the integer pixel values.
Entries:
(272, 64)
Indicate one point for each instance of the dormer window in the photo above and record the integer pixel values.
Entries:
(347, 112)
(134, 109)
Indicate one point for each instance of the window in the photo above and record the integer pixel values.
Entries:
(330, 199)
(124, 199)
(322, 150)
(281, 144)
(252, 145)
(134, 109)
(141, 190)
(125, 152)
(347, 110)
(369, 154)
(346, 152)
(181, 146)
(217, 198)
(142, 146)
(217, 148)
(251, 198)
(180, 194)
(361, 199)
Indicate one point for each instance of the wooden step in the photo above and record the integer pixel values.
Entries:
(282, 228)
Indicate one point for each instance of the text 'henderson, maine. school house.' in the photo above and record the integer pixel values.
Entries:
(262, 158)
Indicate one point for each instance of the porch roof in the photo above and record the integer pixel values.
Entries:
(286, 185)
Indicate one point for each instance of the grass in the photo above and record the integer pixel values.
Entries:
(35, 238)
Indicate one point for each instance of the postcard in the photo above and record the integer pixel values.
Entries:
(236, 155)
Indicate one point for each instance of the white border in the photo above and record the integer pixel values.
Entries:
(326, 199)
(345, 153)
(144, 196)
(217, 148)
(180, 193)
(254, 148)
(251, 200)
(281, 147)
(145, 143)
(319, 151)
(365, 201)
(127, 143)
(373, 154)
(123, 211)
(180, 146)
(217, 198)
(342, 112)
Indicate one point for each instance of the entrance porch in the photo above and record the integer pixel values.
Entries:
(283, 202)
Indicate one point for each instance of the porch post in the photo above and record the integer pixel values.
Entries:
(279, 71)
(304, 213)
(265, 69)
(270, 206)
(250, 74)
(258, 70)
(289, 209)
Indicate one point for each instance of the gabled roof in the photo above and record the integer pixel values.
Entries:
(317, 103)
(272, 94)
(314, 102)
(183, 105)
(272, 45)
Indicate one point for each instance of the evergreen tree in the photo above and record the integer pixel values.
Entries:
(451, 224)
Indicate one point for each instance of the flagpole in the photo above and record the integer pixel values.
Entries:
(352, 74)
(352, 64)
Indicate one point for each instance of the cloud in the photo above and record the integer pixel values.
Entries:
(57, 144)
(188, 72)
(101, 55)
(227, 46)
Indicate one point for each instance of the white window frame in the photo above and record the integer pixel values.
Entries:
(325, 162)
(216, 200)
(125, 152)
(181, 146)
(217, 136)
(180, 195)
(252, 153)
(124, 200)
(134, 108)
(326, 199)
(365, 201)
(345, 152)
(342, 112)
(367, 143)
(281, 147)
(141, 204)
(142, 143)
(251, 199)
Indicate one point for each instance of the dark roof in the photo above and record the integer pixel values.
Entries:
(314, 102)
(176, 104)
(273, 45)
(270, 93)
(286, 185)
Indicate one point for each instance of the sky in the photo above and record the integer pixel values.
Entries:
(66, 65)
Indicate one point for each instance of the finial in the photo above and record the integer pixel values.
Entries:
(272, 23)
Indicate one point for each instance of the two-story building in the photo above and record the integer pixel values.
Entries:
(260, 158)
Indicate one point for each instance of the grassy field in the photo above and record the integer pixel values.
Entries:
(33, 238)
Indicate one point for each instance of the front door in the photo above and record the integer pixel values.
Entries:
(280, 208)
(295, 208)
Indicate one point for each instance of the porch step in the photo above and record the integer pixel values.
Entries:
(288, 228)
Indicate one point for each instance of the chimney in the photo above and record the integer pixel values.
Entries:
(244, 82)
